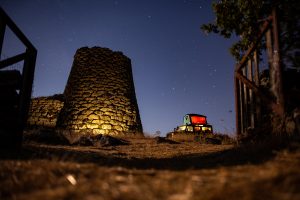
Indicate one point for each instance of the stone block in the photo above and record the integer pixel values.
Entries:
(93, 117)
(118, 128)
(105, 118)
(106, 126)
(92, 126)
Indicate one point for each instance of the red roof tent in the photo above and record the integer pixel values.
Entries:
(197, 119)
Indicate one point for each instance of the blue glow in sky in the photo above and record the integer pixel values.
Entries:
(177, 69)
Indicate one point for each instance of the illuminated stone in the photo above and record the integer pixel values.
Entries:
(97, 121)
(106, 126)
(126, 118)
(92, 126)
(118, 128)
(130, 123)
(93, 117)
(86, 112)
(82, 127)
(105, 109)
(105, 118)
(99, 96)
(98, 131)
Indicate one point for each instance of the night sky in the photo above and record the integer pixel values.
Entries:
(177, 68)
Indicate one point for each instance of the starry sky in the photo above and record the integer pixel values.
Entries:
(177, 68)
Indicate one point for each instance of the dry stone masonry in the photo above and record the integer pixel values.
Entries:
(44, 111)
(100, 95)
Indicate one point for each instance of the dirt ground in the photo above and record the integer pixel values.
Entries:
(149, 169)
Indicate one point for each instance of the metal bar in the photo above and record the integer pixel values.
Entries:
(254, 45)
(12, 60)
(25, 92)
(16, 30)
(27, 75)
(2, 32)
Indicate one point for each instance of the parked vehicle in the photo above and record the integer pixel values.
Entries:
(193, 125)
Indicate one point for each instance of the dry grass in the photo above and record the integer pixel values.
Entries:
(148, 169)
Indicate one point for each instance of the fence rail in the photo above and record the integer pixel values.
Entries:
(249, 97)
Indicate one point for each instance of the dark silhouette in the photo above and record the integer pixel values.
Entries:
(15, 87)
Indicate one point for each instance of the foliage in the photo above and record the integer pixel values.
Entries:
(243, 18)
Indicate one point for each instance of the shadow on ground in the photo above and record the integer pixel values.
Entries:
(229, 157)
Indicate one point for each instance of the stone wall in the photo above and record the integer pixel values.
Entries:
(44, 111)
(100, 95)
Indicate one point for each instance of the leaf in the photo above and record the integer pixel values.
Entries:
(242, 17)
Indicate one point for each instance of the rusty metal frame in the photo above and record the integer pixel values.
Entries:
(29, 58)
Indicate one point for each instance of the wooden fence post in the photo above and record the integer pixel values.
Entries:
(251, 98)
(257, 82)
(237, 106)
(277, 83)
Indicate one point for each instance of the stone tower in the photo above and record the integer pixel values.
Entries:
(100, 95)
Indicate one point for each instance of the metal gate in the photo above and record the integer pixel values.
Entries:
(15, 86)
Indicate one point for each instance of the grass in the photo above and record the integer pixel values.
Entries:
(153, 168)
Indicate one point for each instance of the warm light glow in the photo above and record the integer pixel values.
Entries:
(205, 128)
(197, 128)
(185, 128)
(198, 120)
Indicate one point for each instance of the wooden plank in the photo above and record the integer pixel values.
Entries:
(12, 60)
(257, 82)
(246, 99)
(251, 101)
(252, 86)
(256, 68)
(249, 84)
(242, 113)
(269, 48)
(237, 106)
(249, 70)
(277, 70)
(254, 44)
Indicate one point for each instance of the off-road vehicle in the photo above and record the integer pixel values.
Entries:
(194, 126)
